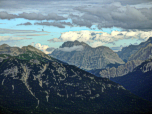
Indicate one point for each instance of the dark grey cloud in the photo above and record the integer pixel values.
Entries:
(5, 15)
(39, 16)
(14, 31)
(27, 23)
(66, 23)
(56, 24)
(31, 16)
(50, 24)
(103, 13)
(82, 22)
(115, 14)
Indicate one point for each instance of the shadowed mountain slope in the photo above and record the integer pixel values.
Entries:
(139, 81)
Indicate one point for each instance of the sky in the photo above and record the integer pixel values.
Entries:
(47, 24)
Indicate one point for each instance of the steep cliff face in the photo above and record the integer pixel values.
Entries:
(88, 58)
(142, 54)
(120, 70)
(31, 85)
(139, 81)
(126, 52)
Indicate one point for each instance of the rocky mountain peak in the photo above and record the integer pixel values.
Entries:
(74, 43)
(4, 45)
(30, 48)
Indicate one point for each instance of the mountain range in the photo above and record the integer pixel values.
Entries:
(33, 82)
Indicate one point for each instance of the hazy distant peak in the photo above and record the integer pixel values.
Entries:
(102, 47)
(4, 45)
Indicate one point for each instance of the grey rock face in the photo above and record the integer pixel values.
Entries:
(121, 70)
(126, 52)
(142, 54)
(89, 58)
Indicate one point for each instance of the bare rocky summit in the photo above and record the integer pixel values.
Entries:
(88, 58)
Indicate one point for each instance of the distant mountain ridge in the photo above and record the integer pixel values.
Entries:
(89, 58)
(126, 52)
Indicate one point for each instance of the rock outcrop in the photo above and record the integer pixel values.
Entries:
(120, 71)
(142, 54)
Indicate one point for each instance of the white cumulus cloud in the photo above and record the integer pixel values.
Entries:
(43, 48)
(102, 37)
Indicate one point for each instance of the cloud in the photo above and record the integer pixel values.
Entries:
(66, 23)
(127, 14)
(75, 35)
(10, 38)
(33, 35)
(14, 31)
(45, 48)
(31, 16)
(27, 23)
(5, 15)
(102, 37)
(56, 24)
(69, 49)
(50, 24)
(82, 22)
(115, 14)
(97, 44)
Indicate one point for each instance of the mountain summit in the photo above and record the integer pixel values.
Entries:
(89, 58)
(74, 43)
